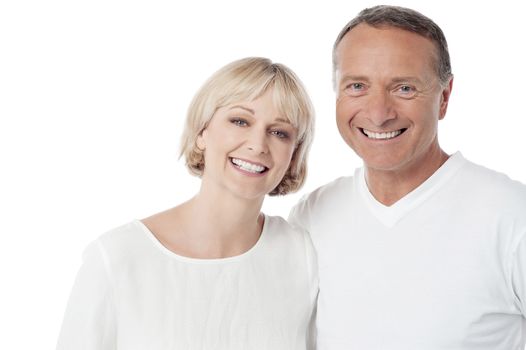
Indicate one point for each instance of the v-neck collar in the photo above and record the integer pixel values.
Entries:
(391, 215)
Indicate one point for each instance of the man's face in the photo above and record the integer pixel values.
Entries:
(389, 98)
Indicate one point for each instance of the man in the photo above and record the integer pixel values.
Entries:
(419, 249)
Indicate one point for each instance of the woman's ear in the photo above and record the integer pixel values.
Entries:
(201, 140)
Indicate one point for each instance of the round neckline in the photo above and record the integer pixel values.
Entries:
(188, 259)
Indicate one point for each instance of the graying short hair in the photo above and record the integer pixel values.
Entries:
(406, 19)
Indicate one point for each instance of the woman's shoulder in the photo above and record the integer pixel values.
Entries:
(277, 225)
(290, 243)
(121, 243)
(279, 230)
(122, 236)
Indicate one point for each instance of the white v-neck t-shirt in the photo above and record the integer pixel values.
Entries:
(444, 268)
(132, 293)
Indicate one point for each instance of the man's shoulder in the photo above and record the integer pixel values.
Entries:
(495, 186)
(335, 188)
(492, 178)
(324, 199)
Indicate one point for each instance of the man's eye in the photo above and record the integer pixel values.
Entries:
(406, 90)
(355, 89)
(355, 86)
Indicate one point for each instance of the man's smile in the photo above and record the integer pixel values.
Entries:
(382, 135)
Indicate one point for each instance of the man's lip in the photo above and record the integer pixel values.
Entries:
(384, 135)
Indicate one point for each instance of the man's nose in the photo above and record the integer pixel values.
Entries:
(380, 108)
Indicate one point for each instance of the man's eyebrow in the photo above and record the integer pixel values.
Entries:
(251, 111)
(354, 77)
(396, 80)
(406, 79)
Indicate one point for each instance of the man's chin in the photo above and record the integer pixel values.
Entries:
(387, 164)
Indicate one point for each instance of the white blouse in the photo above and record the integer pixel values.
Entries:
(133, 293)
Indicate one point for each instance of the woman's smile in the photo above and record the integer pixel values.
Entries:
(248, 167)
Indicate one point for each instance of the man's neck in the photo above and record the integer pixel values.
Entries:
(389, 186)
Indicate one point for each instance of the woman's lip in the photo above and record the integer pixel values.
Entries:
(248, 168)
(250, 161)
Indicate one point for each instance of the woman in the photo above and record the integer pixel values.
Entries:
(213, 272)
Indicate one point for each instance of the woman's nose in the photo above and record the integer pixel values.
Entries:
(257, 141)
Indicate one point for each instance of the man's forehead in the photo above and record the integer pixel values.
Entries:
(386, 48)
(365, 36)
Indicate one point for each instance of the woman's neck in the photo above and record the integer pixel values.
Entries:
(226, 214)
(213, 224)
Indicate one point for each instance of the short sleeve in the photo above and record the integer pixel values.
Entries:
(312, 268)
(518, 274)
(314, 283)
(89, 320)
(299, 215)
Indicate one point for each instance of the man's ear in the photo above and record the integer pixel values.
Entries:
(444, 98)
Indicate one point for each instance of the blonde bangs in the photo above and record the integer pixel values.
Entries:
(246, 80)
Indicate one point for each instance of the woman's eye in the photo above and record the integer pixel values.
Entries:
(239, 122)
(280, 134)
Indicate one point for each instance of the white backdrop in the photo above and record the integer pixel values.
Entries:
(93, 95)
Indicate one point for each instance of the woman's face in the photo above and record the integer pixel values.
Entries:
(248, 147)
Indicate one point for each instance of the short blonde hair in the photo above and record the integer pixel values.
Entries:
(246, 80)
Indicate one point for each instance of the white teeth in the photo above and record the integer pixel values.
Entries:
(381, 135)
(253, 168)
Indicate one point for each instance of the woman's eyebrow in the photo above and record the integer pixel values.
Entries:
(281, 120)
(251, 111)
(243, 107)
